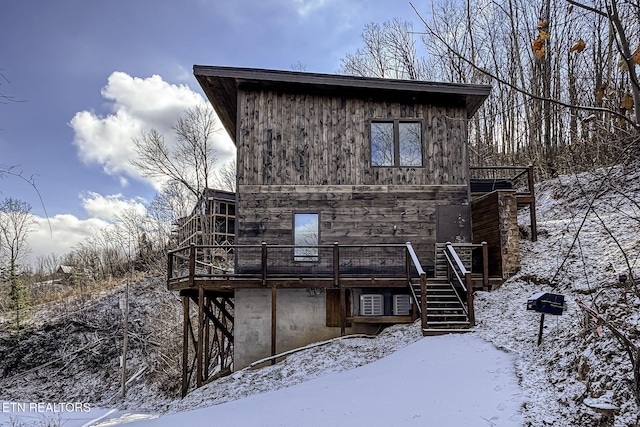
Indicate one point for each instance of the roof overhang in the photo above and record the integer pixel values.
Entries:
(221, 84)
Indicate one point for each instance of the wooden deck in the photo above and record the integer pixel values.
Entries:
(218, 268)
(208, 277)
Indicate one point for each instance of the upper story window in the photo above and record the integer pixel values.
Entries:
(396, 143)
(306, 236)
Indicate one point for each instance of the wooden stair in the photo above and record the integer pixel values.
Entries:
(446, 312)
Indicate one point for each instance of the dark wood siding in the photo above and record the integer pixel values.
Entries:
(349, 214)
(311, 153)
(495, 221)
(306, 139)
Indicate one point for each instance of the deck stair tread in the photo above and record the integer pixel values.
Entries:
(445, 311)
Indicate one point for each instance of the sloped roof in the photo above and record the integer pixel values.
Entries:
(221, 84)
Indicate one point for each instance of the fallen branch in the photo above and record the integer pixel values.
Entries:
(57, 359)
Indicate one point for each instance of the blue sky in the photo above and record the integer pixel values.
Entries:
(92, 74)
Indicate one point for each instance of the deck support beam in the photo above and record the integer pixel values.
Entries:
(200, 348)
(185, 345)
(343, 312)
(274, 292)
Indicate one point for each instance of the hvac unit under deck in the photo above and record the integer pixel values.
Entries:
(401, 305)
(371, 305)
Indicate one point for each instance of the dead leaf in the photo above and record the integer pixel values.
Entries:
(544, 35)
(578, 46)
(627, 102)
(538, 47)
(543, 24)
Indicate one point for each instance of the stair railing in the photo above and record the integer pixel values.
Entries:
(456, 270)
(414, 263)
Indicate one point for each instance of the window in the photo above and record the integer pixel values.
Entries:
(306, 234)
(396, 143)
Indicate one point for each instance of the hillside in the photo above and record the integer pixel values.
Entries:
(575, 377)
(71, 350)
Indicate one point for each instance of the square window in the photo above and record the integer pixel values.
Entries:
(396, 143)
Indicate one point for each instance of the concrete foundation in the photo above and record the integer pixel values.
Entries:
(300, 320)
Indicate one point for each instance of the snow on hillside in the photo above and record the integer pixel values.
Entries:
(574, 375)
(574, 378)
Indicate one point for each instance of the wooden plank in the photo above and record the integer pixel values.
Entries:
(185, 345)
(274, 324)
(381, 319)
(200, 349)
(333, 308)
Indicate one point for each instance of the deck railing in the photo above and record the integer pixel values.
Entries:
(519, 178)
(269, 262)
(461, 279)
(413, 265)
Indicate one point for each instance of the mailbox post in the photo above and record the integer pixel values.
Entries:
(544, 302)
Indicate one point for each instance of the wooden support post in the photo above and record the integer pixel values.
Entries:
(336, 265)
(485, 266)
(192, 265)
(207, 348)
(274, 325)
(407, 262)
(185, 345)
(532, 205)
(468, 283)
(343, 312)
(169, 265)
(200, 336)
(423, 299)
(336, 283)
(264, 263)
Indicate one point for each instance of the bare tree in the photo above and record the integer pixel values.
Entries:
(191, 162)
(389, 51)
(16, 222)
(227, 176)
(543, 108)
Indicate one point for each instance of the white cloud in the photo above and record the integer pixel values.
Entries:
(304, 7)
(109, 207)
(59, 234)
(137, 106)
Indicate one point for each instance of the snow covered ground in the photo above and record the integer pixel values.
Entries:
(453, 380)
(496, 375)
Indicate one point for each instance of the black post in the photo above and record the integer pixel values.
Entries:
(541, 326)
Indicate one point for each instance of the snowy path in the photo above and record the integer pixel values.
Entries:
(452, 380)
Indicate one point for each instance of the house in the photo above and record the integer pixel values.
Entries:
(351, 192)
(70, 275)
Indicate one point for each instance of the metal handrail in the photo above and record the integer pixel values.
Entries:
(414, 259)
(456, 258)
(456, 262)
(455, 271)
